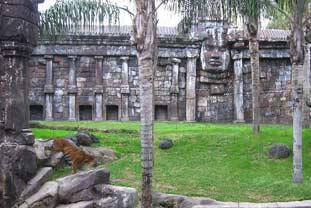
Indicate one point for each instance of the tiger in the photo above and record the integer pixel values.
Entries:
(77, 156)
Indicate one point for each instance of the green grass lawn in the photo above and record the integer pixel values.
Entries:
(221, 161)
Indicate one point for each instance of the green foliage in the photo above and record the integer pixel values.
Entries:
(72, 14)
(279, 22)
(229, 10)
(222, 161)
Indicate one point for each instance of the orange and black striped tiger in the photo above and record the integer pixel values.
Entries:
(77, 156)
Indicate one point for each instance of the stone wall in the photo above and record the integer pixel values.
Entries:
(275, 97)
(201, 76)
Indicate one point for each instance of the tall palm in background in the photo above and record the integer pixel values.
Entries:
(231, 10)
(297, 14)
(70, 14)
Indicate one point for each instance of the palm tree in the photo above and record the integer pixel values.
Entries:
(298, 15)
(249, 11)
(68, 13)
(145, 32)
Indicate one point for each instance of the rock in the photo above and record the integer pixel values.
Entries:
(166, 144)
(94, 138)
(84, 138)
(73, 139)
(18, 165)
(116, 197)
(85, 195)
(43, 149)
(103, 155)
(35, 183)
(171, 200)
(45, 155)
(166, 200)
(279, 151)
(46, 197)
(56, 160)
(24, 137)
(26, 164)
(82, 204)
(71, 185)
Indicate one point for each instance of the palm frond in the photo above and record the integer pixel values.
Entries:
(70, 14)
(217, 9)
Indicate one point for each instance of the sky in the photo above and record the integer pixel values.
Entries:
(166, 18)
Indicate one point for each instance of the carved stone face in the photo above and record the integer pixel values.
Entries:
(215, 56)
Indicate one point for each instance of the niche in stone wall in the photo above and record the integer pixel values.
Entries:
(161, 112)
(85, 113)
(36, 112)
(112, 112)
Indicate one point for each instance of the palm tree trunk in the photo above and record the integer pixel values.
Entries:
(145, 28)
(306, 88)
(297, 122)
(254, 56)
(297, 59)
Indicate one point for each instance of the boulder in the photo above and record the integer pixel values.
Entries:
(18, 165)
(85, 195)
(73, 184)
(82, 204)
(46, 197)
(116, 197)
(171, 200)
(103, 155)
(72, 138)
(25, 165)
(43, 149)
(84, 138)
(279, 151)
(166, 200)
(94, 138)
(56, 160)
(43, 175)
(46, 156)
(166, 144)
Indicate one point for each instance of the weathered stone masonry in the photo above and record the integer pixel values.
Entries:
(202, 75)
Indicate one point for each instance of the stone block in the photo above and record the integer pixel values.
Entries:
(70, 185)
(46, 197)
(217, 89)
(116, 197)
(42, 176)
(82, 204)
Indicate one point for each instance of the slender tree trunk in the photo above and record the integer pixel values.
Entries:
(297, 122)
(297, 59)
(306, 88)
(254, 56)
(145, 28)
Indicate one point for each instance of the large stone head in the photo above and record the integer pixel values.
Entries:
(215, 56)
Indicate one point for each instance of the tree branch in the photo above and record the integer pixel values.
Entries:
(126, 10)
(162, 2)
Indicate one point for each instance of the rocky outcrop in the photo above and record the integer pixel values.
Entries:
(47, 158)
(83, 190)
(17, 164)
(116, 197)
(102, 154)
(43, 175)
(80, 184)
(178, 201)
(46, 197)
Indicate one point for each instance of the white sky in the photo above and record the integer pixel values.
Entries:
(166, 18)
